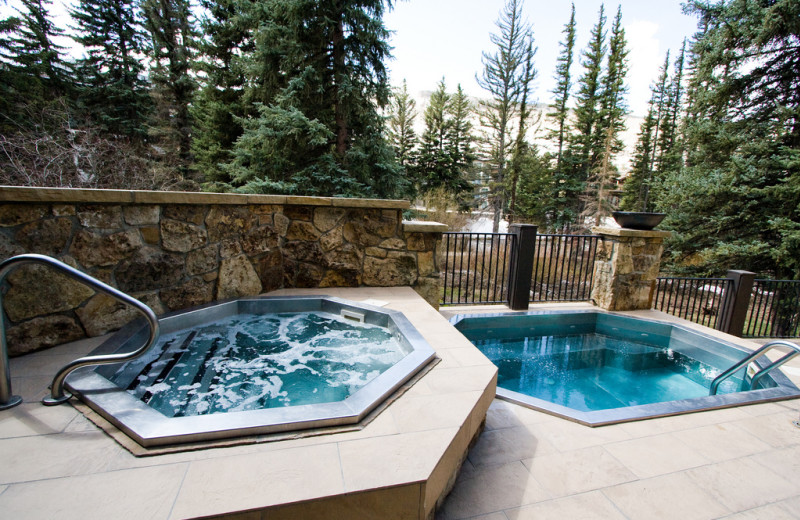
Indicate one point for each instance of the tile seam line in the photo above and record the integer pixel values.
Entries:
(90, 474)
(613, 504)
(178, 491)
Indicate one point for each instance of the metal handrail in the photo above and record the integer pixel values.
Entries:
(57, 394)
(764, 371)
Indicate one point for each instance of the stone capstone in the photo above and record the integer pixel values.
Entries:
(237, 277)
(181, 236)
(92, 249)
(46, 237)
(37, 290)
(149, 269)
(42, 333)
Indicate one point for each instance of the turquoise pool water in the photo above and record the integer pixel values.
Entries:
(253, 361)
(599, 368)
(593, 371)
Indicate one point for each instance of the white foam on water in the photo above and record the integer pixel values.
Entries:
(270, 360)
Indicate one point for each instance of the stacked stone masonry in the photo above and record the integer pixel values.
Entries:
(626, 267)
(178, 250)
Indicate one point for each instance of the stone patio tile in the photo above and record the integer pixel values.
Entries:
(567, 435)
(785, 462)
(131, 494)
(39, 364)
(242, 483)
(775, 511)
(720, 442)
(503, 414)
(586, 506)
(468, 356)
(31, 389)
(669, 496)
(757, 410)
(464, 379)
(386, 461)
(687, 421)
(34, 419)
(742, 484)
(55, 456)
(491, 490)
(507, 445)
(431, 412)
(578, 471)
(776, 429)
(657, 455)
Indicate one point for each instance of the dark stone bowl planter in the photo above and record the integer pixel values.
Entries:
(637, 219)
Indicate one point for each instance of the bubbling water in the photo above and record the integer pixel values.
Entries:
(249, 361)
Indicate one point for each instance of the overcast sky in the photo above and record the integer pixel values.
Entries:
(435, 38)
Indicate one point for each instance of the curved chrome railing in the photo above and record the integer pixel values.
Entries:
(764, 371)
(57, 394)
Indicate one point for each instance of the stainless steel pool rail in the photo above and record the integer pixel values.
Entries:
(795, 351)
(57, 394)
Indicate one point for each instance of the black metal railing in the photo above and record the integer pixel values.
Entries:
(562, 268)
(694, 299)
(774, 309)
(476, 267)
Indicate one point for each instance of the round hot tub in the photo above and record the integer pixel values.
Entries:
(254, 366)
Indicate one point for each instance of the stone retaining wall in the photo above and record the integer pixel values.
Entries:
(175, 250)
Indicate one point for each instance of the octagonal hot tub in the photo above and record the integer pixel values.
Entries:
(254, 366)
(598, 368)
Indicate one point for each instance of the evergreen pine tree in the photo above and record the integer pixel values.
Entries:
(433, 160)
(613, 104)
(34, 74)
(171, 50)
(220, 103)
(501, 75)
(112, 88)
(637, 184)
(520, 143)
(563, 77)
(735, 203)
(460, 141)
(318, 71)
(585, 143)
(402, 113)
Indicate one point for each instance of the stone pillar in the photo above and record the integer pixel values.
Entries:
(424, 240)
(626, 268)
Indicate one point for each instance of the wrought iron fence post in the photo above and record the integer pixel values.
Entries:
(521, 266)
(733, 309)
